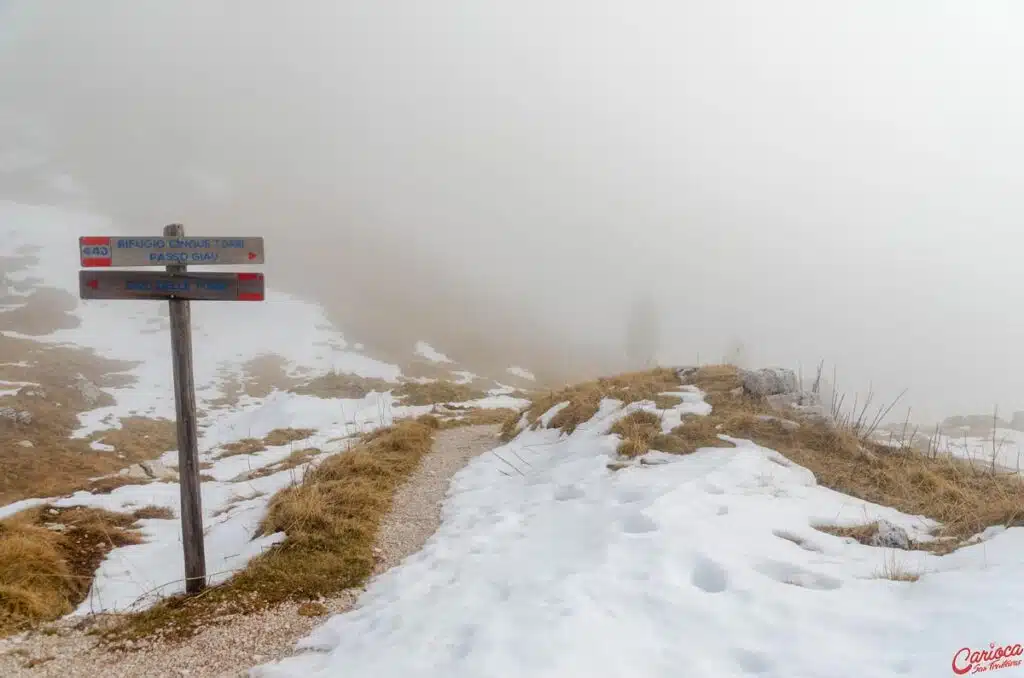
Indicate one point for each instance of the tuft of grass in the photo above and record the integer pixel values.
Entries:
(664, 401)
(342, 385)
(284, 436)
(330, 520)
(637, 430)
(153, 513)
(243, 446)
(312, 610)
(585, 399)
(140, 437)
(894, 570)
(478, 416)
(294, 460)
(434, 392)
(964, 498)
(108, 484)
(862, 533)
(48, 557)
(692, 434)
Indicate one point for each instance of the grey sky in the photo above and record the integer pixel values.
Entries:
(816, 180)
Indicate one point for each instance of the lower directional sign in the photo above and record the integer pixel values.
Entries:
(164, 286)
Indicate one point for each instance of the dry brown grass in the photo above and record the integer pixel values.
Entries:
(862, 533)
(895, 570)
(140, 437)
(960, 496)
(59, 465)
(258, 378)
(284, 436)
(243, 446)
(585, 399)
(964, 498)
(330, 520)
(46, 573)
(435, 392)
(312, 610)
(153, 513)
(637, 430)
(641, 433)
(294, 460)
(108, 484)
(342, 385)
(478, 416)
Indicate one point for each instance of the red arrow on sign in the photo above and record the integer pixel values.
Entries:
(252, 255)
(94, 283)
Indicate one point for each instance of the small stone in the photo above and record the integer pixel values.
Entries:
(890, 536)
(26, 444)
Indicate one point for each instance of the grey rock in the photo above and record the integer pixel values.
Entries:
(15, 416)
(782, 401)
(135, 472)
(155, 469)
(89, 391)
(33, 392)
(26, 444)
(769, 381)
(684, 373)
(890, 536)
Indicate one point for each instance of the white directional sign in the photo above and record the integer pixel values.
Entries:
(107, 251)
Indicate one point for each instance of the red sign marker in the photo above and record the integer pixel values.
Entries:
(257, 293)
(95, 251)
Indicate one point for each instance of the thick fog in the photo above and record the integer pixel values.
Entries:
(783, 181)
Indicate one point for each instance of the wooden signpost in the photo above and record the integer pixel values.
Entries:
(178, 287)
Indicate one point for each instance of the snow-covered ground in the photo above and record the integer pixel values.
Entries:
(522, 373)
(705, 566)
(425, 350)
(1002, 449)
(226, 336)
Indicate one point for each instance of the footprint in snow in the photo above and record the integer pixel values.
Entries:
(787, 573)
(709, 576)
(752, 662)
(638, 523)
(798, 540)
(568, 492)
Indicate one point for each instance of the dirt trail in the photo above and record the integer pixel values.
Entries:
(228, 651)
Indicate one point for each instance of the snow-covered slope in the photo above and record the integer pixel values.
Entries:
(226, 337)
(705, 566)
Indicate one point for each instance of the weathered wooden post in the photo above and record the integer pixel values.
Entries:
(178, 287)
(188, 438)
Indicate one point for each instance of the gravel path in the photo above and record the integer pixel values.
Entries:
(229, 650)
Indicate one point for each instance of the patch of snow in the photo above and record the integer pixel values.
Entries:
(464, 377)
(521, 373)
(425, 350)
(225, 336)
(496, 402)
(691, 566)
(1006, 454)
